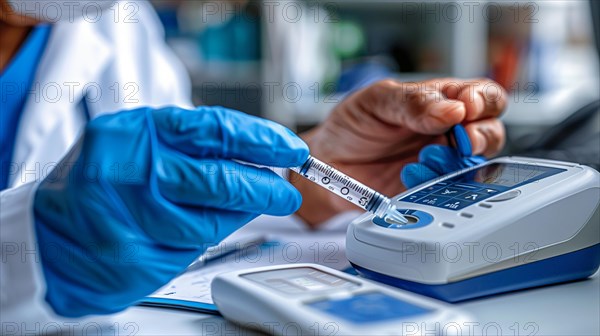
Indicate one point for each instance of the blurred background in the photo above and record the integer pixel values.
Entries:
(293, 61)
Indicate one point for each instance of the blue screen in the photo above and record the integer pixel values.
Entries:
(477, 185)
(369, 308)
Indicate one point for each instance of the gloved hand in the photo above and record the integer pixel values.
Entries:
(145, 192)
(435, 161)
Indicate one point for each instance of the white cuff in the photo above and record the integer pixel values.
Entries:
(22, 287)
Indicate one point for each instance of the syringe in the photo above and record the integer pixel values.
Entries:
(350, 189)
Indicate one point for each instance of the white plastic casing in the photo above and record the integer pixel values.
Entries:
(255, 306)
(552, 216)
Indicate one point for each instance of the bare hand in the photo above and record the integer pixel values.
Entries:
(373, 133)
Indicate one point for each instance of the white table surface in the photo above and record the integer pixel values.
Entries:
(564, 309)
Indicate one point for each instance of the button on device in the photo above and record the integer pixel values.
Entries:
(432, 188)
(506, 196)
(413, 197)
(455, 204)
(416, 219)
(489, 191)
(466, 186)
(433, 200)
(473, 196)
(449, 192)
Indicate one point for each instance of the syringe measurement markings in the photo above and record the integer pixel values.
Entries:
(349, 184)
(329, 172)
(371, 200)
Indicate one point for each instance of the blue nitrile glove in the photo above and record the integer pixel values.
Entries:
(145, 192)
(436, 161)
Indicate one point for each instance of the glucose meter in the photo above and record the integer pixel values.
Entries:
(508, 224)
(310, 299)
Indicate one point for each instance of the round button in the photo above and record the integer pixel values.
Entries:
(416, 219)
(506, 196)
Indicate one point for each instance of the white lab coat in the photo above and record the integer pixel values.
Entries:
(107, 66)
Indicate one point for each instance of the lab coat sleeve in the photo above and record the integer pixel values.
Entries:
(21, 286)
(23, 308)
(142, 69)
(166, 79)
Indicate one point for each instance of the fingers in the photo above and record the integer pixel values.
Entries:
(416, 173)
(432, 107)
(446, 102)
(419, 107)
(487, 136)
(483, 98)
(440, 159)
(206, 226)
(226, 222)
(188, 227)
(436, 161)
(214, 132)
(224, 184)
(209, 226)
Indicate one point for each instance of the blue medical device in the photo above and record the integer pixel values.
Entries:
(504, 225)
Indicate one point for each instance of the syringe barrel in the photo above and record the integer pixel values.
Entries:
(342, 185)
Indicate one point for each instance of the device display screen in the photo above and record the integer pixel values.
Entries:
(477, 185)
(508, 175)
(300, 280)
(370, 307)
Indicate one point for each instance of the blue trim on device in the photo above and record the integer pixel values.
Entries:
(423, 219)
(563, 268)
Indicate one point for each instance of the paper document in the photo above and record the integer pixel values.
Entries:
(270, 241)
